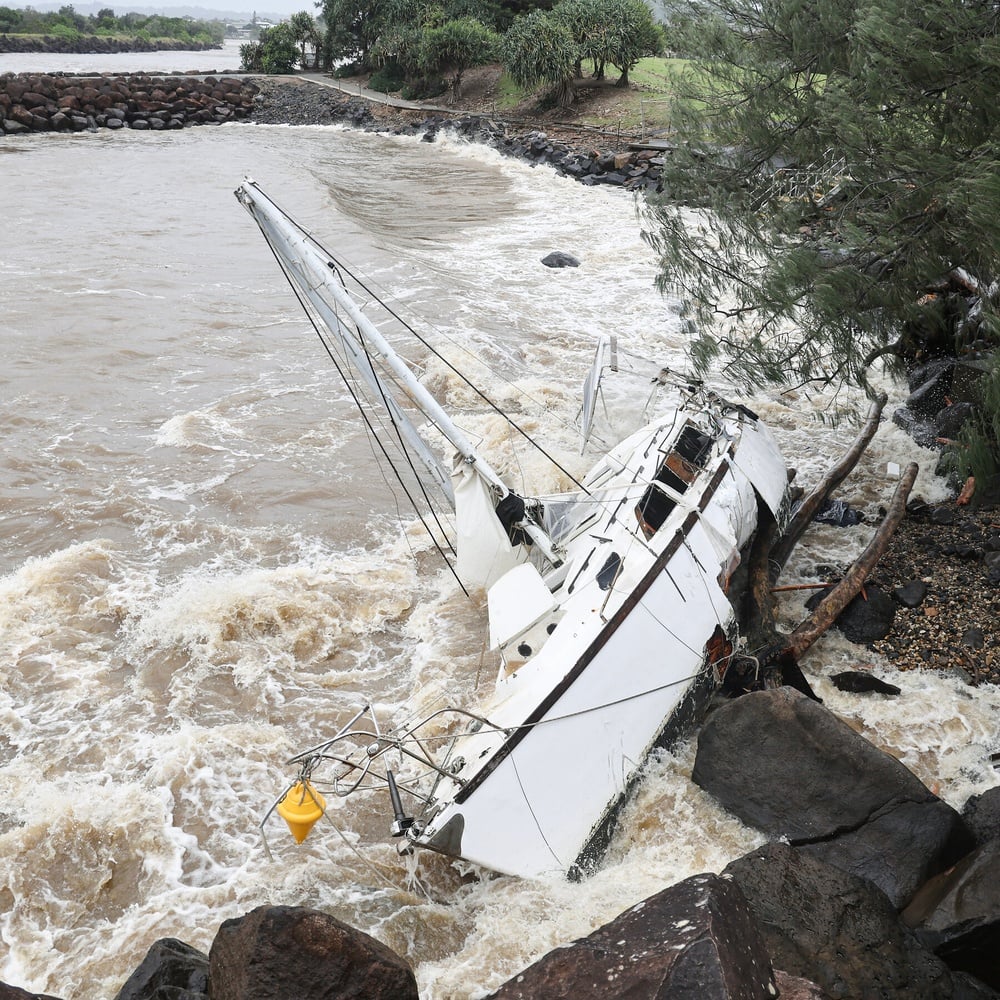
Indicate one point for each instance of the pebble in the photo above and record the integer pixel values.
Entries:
(956, 626)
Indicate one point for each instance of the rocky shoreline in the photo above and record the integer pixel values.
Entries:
(581, 153)
(870, 888)
(39, 102)
(96, 45)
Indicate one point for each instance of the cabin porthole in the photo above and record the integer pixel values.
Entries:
(551, 627)
(524, 649)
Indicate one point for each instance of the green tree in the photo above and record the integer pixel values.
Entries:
(456, 46)
(10, 20)
(353, 29)
(279, 51)
(539, 48)
(68, 16)
(630, 34)
(585, 21)
(306, 32)
(843, 158)
(252, 57)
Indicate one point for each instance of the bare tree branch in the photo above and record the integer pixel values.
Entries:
(841, 595)
(835, 475)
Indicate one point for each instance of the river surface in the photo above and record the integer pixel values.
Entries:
(202, 571)
(206, 61)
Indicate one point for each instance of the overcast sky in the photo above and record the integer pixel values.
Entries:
(224, 10)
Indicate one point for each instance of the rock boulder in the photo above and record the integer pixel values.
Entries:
(837, 930)
(957, 914)
(786, 765)
(170, 969)
(288, 951)
(695, 939)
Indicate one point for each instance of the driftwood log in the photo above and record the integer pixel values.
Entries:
(770, 656)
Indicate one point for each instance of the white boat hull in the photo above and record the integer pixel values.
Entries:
(546, 800)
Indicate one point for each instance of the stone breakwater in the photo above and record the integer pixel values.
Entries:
(575, 154)
(96, 44)
(31, 102)
(61, 103)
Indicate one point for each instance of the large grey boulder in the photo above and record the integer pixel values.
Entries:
(957, 914)
(838, 930)
(982, 815)
(170, 967)
(693, 941)
(786, 765)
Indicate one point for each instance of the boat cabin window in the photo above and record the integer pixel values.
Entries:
(677, 471)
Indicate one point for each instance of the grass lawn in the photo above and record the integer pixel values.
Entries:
(645, 105)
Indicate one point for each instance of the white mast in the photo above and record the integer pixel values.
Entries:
(313, 272)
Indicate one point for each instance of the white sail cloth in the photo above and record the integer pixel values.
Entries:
(485, 552)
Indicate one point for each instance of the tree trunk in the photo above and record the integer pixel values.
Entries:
(834, 477)
(769, 657)
(827, 610)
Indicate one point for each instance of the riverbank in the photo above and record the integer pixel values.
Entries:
(97, 44)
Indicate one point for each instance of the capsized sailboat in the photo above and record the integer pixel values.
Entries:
(609, 607)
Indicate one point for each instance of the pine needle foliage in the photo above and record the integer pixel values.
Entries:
(835, 160)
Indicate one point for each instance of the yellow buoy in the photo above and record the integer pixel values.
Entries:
(301, 806)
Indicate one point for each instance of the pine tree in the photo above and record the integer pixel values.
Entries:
(837, 170)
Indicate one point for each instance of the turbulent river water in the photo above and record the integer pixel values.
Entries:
(203, 571)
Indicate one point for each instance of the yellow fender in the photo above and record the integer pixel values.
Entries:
(300, 807)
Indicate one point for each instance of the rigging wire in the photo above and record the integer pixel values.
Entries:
(365, 417)
(399, 436)
(340, 266)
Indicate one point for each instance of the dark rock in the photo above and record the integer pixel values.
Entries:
(812, 780)
(288, 951)
(982, 815)
(16, 993)
(950, 421)
(860, 682)
(839, 513)
(967, 378)
(912, 594)
(923, 431)
(169, 965)
(991, 562)
(837, 930)
(931, 387)
(957, 914)
(974, 638)
(559, 259)
(693, 940)
(898, 848)
(867, 617)
(943, 516)
(614, 177)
